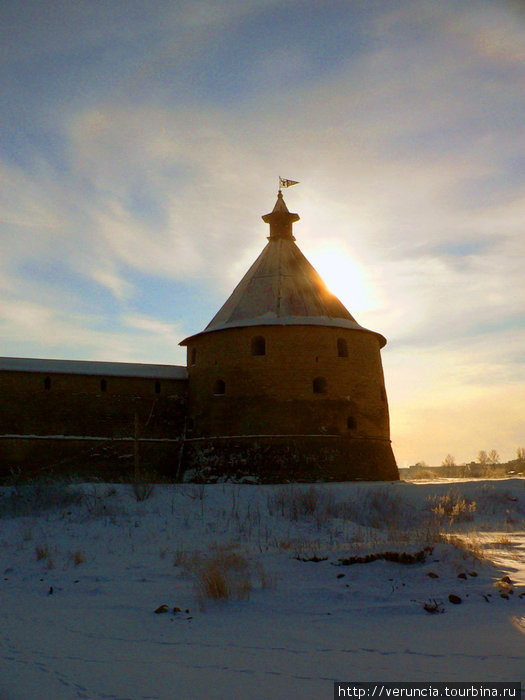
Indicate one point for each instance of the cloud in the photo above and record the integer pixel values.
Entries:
(154, 150)
(42, 331)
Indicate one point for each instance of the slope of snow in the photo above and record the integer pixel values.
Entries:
(83, 568)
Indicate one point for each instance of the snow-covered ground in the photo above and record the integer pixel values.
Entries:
(84, 568)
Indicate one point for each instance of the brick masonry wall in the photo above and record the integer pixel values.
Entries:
(14, 382)
(74, 405)
(273, 393)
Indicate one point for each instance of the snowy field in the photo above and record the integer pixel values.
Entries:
(258, 602)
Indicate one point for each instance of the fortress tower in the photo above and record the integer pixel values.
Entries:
(284, 382)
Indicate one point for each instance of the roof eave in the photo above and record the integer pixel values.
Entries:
(288, 322)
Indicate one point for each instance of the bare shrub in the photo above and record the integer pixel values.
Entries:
(374, 508)
(143, 489)
(453, 507)
(180, 557)
(41, 552)
(378, 508)
(220, 575)
(294, 503)
(78, 557)
(99, 502)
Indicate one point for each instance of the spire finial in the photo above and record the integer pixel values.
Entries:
(280, 219)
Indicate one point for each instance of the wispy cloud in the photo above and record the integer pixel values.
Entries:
(141, 149)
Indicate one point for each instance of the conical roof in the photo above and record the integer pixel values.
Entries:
(282, 287)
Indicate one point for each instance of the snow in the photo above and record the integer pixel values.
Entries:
(83, 567)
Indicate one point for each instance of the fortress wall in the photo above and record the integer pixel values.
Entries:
(74, 405)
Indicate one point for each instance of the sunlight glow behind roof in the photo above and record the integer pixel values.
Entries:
(343, 276)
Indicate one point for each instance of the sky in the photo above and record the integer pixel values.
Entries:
(140, 143)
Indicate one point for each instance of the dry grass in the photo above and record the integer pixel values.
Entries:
(142, 488)
(469, 546)
(78, 557)
(223, 573)
(220, 575)
(374, 509)
(41, 552)
(295, 503)
(453, 507)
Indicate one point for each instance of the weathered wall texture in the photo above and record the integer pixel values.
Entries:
(283, 459)
(274, 393)
(75, 405)
(338, 432)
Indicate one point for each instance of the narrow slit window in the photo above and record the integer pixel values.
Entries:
(342, 348)
(351, 423)
(319, 385)
(103, 385)
(47, 383)
(157, 387)
(193, 356)
(219, 388)
(258, 345)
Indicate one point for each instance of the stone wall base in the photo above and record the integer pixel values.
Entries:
(102, 458)
(281, 459)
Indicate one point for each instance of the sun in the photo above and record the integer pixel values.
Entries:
(343, 276)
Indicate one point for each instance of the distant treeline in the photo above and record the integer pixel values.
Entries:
(473, 470)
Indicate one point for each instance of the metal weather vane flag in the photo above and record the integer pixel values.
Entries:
(287, 183)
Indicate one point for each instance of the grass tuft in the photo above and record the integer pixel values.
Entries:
(453, 507)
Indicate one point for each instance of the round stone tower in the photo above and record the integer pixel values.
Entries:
(283, 382)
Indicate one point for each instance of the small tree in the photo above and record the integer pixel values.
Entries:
(449, 461)
(493, 457)
(520, 454)
(483, 457)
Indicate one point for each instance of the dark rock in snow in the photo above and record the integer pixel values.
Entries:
(315, 559)
(162, 609)
(462, 575)
(397, 557)
(432, 574)
(453, 598)
(433, 606)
